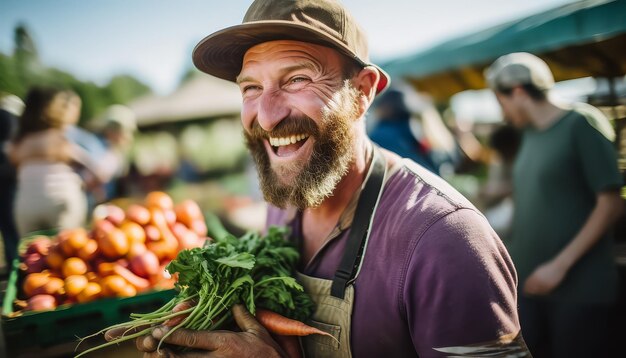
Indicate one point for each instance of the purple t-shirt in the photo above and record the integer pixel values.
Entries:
(434, 274)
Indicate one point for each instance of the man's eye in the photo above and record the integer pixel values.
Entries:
(250, 88)
(298, 79)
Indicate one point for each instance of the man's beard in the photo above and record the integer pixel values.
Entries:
(332, 154)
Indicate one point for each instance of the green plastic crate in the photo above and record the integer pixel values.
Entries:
(68, 322)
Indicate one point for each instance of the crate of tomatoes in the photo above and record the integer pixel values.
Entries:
(68, 283)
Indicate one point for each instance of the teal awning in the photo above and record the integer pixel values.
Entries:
(585, 38)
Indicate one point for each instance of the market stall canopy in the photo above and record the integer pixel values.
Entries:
(202, 96)
(585, 38)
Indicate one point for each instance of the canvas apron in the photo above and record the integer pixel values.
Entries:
(334, 298)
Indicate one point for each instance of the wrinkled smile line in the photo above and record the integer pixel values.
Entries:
(279, 141)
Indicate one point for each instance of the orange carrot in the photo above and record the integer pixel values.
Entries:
(138, 214)
(140, 283)
(282, 325)
(167, 246)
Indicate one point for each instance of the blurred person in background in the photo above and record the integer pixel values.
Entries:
(566, 198)
(398, 263)
(50, 193)
(11, 108)
(496, 195)
(393, 131)
(116, 129)
(95, 148)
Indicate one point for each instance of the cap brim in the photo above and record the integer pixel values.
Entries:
(221, 53)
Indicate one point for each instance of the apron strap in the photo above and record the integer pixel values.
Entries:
(359, 232)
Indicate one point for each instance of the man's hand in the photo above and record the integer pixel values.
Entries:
(252, 341)
(544, 279)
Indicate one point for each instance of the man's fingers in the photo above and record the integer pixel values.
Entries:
(178, 319)
(118, 332)
(245, 320)
(167, 353)
(207, 340)
(146, 343)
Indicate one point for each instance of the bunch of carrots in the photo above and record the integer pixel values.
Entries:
(252, 270)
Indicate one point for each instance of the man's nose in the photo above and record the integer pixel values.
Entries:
(272, 109)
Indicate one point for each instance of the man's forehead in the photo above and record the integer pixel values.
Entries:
(290, 54)
(287, 48)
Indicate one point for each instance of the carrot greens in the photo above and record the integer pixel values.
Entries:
(253, 270)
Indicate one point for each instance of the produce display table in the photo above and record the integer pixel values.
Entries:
(55, 333)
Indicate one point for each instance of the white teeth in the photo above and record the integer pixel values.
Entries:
(276, 142)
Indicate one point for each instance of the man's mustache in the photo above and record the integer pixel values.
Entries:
(291, 125)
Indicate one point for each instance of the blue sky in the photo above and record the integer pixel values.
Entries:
(153, 39)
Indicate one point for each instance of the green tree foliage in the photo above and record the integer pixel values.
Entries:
(23, 69)
(27, 64)
(123, 87)
(9, 80)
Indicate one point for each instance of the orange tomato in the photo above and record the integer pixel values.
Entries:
(74, 284)
(55, 258)
(89, 251)
(159, 200)
(54, 287)
(128, 291)
(113, 285)
(106, 268)
(77, 239)
(34, 282)
(91, 292)
(133, 231)
(73, 266)
(113, 243)
(136, 249)
(92, 277)
(70, 240)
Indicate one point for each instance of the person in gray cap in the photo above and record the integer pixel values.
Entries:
(397, 262)
(566, 193)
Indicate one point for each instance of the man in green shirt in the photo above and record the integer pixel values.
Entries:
(566, 192)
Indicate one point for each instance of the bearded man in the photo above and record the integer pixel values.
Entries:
(398, 263)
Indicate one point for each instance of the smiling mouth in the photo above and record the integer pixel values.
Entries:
(285, 146)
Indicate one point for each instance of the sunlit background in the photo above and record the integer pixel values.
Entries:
(138, 53)
(188, 142)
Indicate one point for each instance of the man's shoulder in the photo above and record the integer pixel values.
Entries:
(411, 182)
(414, 199)
(583, 114)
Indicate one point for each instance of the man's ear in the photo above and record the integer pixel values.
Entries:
(366, 81)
